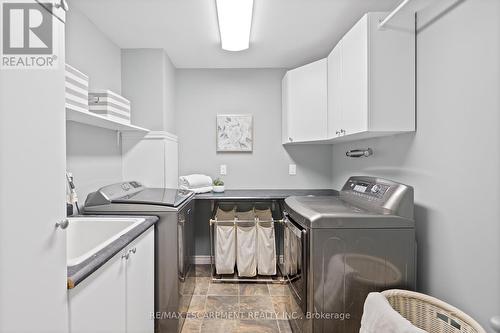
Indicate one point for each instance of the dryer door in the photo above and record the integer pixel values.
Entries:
(295, 260)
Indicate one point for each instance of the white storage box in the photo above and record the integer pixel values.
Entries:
(110, 104)
(77, 89)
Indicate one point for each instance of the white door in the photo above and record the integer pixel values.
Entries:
(33, 294)
(140, 284)
(335, 91)
(355, 78)
(307, 105)
(98, 303)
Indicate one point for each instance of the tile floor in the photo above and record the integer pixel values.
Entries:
(227, 307)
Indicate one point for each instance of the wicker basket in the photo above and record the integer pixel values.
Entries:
(430, 314)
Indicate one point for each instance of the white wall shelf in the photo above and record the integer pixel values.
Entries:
(93, 119)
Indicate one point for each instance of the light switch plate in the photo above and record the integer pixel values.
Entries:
(223, 169)
(292, 169)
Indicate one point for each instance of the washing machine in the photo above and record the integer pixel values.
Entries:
(339, 248)
(173, 241)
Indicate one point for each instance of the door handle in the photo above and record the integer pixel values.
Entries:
(134, 250)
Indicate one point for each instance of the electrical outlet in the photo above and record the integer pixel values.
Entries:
(292, 169)
(223, 169)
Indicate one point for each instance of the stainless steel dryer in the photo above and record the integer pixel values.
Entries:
(337, 249)
(173, 241)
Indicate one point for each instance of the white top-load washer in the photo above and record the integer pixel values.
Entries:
(173, 240)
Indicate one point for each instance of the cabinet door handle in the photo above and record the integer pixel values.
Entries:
(337, 132)
(290, 139)
(342, 131)
(126, 256)
(63, 224)
(134, 250)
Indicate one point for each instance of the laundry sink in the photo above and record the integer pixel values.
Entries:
(87, 235)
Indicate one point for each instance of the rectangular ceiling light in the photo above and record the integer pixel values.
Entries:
(235, 21)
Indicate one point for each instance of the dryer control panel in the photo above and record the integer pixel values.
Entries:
(367, 189)
(379, 194)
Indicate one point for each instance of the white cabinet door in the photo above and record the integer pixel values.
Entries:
(355, 79)
(140, 284)
(285, 92)
(33, 294)
(98, 303)
(335, 91)
(307, 102)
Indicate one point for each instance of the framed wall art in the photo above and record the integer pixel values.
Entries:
(234, 133)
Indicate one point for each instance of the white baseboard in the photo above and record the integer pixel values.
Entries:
(200, 260)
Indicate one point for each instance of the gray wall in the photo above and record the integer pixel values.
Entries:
(453, 158)
(169, 89)
(93, 53)
(148, 80)
(93, 156)
(92, 153)
(204, 93)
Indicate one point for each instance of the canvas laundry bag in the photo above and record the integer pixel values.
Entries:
(246, 239)
(266, 251)
(225, 252)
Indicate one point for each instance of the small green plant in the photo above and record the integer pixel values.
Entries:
(218, 182)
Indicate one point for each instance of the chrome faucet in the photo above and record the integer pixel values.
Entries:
(72, 198)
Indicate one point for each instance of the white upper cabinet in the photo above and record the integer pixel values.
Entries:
(305, 103)
(335, 91)
(371, 82)
(367, 88)
(354, 80)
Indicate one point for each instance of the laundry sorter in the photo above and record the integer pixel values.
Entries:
(246, 241)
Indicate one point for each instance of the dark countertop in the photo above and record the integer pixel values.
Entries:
(260, 194)
(79, 272)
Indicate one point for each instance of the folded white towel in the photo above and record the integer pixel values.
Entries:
(380, 317)
(194, 181)
(199, 189)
